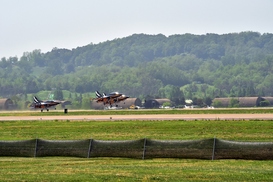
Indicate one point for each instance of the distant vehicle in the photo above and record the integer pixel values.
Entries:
(39, 104)
(112, 98)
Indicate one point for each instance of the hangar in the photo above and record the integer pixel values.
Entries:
(155, 103)
(6, 104)
(243, 101)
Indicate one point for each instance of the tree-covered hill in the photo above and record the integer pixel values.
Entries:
(211, 65)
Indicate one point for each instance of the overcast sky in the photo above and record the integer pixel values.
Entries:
(26, 25)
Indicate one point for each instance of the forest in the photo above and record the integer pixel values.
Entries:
(177, 67)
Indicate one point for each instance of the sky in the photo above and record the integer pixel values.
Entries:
(26, 25)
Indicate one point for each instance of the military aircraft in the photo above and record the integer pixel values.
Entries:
(117, 100)
(112, 98)
(43, 104)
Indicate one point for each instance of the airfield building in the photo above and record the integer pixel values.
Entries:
(243, 101)
(6, 104)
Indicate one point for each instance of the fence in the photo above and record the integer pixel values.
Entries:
(140, 149)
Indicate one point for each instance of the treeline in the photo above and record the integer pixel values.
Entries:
(179, 66)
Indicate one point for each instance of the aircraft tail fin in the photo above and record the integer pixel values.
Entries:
(36, 100)
(98, 94)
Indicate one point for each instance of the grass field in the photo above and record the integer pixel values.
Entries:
(131, 130)
(117, 169)
(140, 111)
(122, 169)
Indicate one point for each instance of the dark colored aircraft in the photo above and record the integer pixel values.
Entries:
(112, 98)
(43, 104)
(117, 100)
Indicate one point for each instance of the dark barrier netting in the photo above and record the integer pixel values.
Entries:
(71, 148)
(23, 148)
(225, 149)
(122, 148)
(194, 149)
(143, 148)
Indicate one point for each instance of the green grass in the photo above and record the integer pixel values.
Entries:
(123, 169)
(130, 130)
(141, 111)
(117, 169)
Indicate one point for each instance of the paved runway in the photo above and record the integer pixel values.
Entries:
(144, 117)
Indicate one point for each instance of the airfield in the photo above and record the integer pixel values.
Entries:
(27, 125)
(187, 117)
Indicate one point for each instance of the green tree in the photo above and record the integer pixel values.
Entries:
(58, 94)
(177, 96)
(265, 103)
(217, 104)
(86, 102)
(233, 102)
(166, 104)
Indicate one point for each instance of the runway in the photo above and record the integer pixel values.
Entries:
(188, 117)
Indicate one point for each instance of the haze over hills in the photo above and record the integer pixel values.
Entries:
(188, 66)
